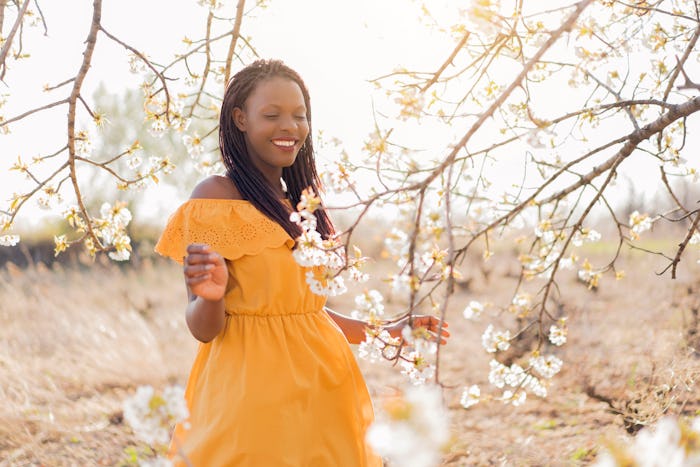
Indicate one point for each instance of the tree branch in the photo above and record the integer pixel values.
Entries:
(234, 38)
(8, 42)
(72, 104)
(633, 139)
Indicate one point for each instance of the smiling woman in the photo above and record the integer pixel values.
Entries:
(272, 360)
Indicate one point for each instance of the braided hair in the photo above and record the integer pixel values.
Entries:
(249, 180)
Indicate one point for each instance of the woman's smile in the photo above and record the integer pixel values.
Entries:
(285, 144)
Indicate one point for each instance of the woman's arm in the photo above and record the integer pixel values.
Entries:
(206, 276)
(354, 329)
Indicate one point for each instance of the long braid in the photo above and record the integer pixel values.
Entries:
(249, 180)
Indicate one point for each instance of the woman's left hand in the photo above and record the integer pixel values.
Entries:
(430, 323)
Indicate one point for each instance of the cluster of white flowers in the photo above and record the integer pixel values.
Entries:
(110, 228)
(471, 396)
(400, 284)
(589, 275)
(414, 350)
(213, 5)
(9, 240)
(521, 303)
(370, 305)
(5, 225)
(585, 235)
(415, 354)
(672, 443)
(325, 259)
(152, 415)
(417, 367)
(517, 379)
(49, 198)
(639, 223)
(412, 430)
(494, 341)
(194, 145)
(136, 65)
(473, 310)
(546, 366)
(134, 162)
(204, 163)
(325, 283)
(378, 346)
(396, 243)
(557, 334)
(113, 233)
(551, 249)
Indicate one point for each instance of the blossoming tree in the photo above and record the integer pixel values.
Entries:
(549, 101)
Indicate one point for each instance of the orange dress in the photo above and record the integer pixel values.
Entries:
(279, 386)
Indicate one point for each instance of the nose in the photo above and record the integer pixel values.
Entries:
(288, 123)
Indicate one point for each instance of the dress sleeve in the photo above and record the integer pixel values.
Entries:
(231, 227)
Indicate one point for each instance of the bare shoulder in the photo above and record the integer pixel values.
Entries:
(216, 187)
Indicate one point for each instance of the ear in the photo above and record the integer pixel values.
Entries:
(239, 119)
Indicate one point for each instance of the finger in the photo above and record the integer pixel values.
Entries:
(436, 322)
(443, 337)
(190, 281)
(197, 258)
(198, 269)
(198, 247)
(433, 323)
(210, 258)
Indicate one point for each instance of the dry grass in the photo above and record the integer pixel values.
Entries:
(75, 342)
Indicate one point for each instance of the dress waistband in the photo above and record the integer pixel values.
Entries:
(270, 312)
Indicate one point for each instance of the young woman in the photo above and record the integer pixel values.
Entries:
(274, 382)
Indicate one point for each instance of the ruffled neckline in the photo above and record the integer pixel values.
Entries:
(233, 227)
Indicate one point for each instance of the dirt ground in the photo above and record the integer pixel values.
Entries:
(75, 342)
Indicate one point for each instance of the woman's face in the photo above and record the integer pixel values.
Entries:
(273, 120)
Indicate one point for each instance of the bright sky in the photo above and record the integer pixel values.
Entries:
(336, 46)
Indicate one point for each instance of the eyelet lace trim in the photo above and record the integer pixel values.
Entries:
(233, 228)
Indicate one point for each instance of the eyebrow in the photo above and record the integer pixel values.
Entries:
(301, 107)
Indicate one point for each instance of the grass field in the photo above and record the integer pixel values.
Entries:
(75, 342)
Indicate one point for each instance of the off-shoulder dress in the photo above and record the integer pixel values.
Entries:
(279, 386)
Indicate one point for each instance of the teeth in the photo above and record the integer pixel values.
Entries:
(285, 142)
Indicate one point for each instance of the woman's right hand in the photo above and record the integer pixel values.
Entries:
(206, 273)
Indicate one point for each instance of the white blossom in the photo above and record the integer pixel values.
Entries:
(557, 335)
(515, 398)
(471, 396)
(328, 286)
(662, 446)
(546, 366)
(151, 415)
(369, 304)
(417, 368)
(413, 430)
(473, 310)
(639, 223)
(9, 240)
(497, 373)
(493, 341)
